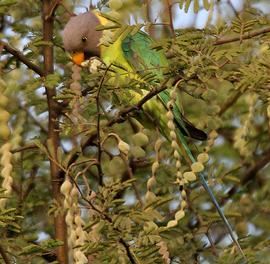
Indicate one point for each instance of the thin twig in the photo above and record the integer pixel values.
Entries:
(31, 184)
(4, 255)
(100, 172)
(130, 176)
(22, 58)
(169, 6)
(24, 148)
(53, 8)
(248, 35)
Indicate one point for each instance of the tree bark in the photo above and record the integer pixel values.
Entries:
(53, 130)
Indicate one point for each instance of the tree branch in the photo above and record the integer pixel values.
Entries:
(250, 174)
(231, 100)
(53, 130)
(248, 35)
(22, 58)
(254, 169)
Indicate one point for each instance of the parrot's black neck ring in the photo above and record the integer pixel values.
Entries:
(88, 55)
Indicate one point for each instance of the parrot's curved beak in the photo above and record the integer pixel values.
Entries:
(78, 57)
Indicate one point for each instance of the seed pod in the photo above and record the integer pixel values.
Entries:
(183, 204)
(171, 125)
(197, 167)
(66, 187)
(115, 4)
(3, 100)
(169, 115)
(179, 215)
(173, 135)
(4, 131)
(140, 139)
(150, 197)
(155, 166)
(151, 182)
(172, 223)
(123, 147)
(174, 144)
(189, 176)
(137, 152)
(213, 134)
(203, 157)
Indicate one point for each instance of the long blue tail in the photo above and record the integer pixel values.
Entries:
(209, 191)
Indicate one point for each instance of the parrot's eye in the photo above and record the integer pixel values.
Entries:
(84, 39)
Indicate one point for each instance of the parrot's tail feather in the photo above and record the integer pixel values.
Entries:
(191, 131)
(210, 193)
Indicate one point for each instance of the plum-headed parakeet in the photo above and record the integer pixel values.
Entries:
(134, 53)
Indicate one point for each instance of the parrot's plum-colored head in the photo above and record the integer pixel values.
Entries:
(81, 38)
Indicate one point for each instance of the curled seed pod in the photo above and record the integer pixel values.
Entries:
(69, 218)
(179, 215)
(172, 223)
(151, 182)
(268, 110)
(4, 131)
(115, 4)
(150, 196)
(176, 155)
(207, 149)
(213, 134)
(78, 220)
(66, 187)
(189, 176)
(174, 144)
(197, 167)
(137, 152)
(210, 142)
(4, 115)
(203, 157)
(173, 135)
(140, 139)
(183, 204)
(75, 86)
(171, 125)
(3, 100)
(179, 175)
(170, 115)
(183, 194)
(74, 192)
(155, 166)
(123, 147)
(173, 94)
(178, 164)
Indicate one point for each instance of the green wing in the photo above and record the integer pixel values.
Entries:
(138, 52)
(143, 59)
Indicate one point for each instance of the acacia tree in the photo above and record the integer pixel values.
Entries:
(83, 181)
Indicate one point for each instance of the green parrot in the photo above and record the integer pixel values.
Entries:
(134, 53)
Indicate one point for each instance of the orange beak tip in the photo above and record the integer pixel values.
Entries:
(78, 58)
